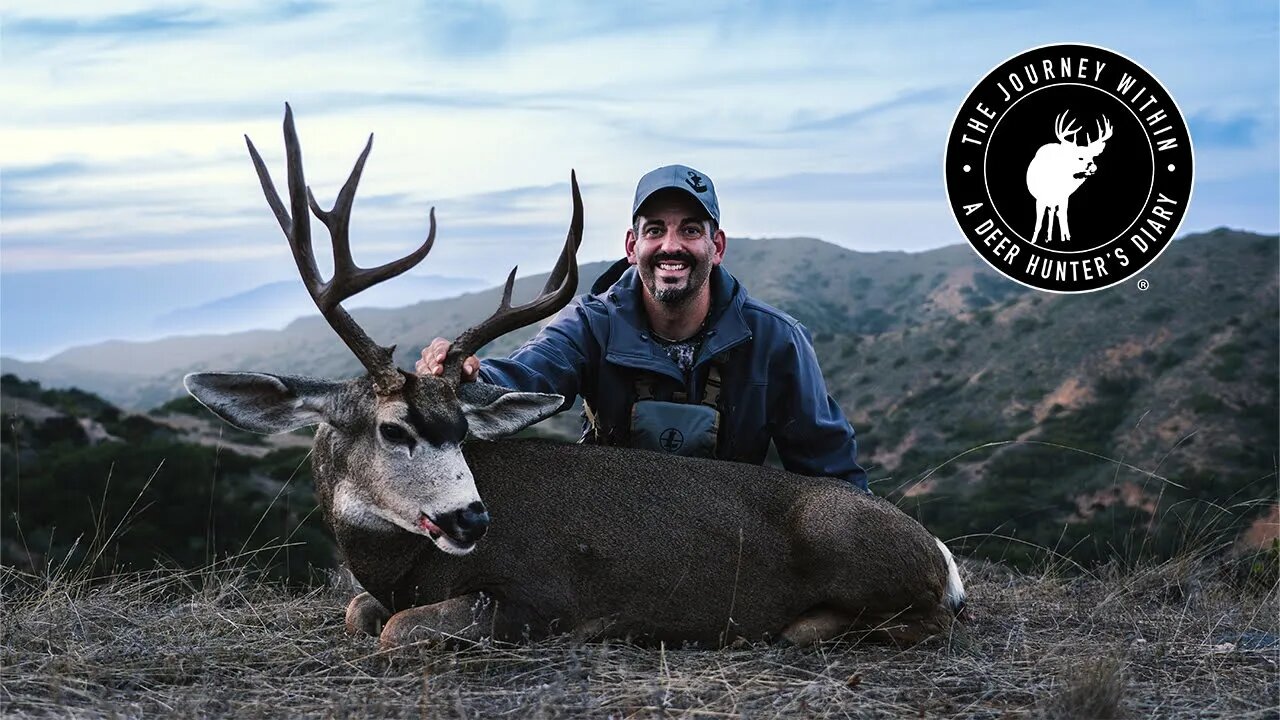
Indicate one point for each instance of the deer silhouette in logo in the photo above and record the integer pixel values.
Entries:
(1059, 168)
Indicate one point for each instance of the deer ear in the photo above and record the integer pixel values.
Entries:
(263, 403)
(493, 412)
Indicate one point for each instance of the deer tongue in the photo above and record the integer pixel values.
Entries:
(425, 523)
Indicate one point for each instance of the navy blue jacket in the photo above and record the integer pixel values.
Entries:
(771, 385)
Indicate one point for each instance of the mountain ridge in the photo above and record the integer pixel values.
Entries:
(977, 402)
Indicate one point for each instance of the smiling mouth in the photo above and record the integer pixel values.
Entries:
(672, 266)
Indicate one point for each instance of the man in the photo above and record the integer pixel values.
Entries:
(669, 353)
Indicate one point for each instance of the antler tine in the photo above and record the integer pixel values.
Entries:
(1104, 131)
(299, 241)
(1064, 127)
(556, 278)
(338, 220)
(559, 290)
(347, 279)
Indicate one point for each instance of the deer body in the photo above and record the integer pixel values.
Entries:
(640, 545)
(1059, 169)
(514, 539)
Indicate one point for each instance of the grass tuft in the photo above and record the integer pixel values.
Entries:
(225, 642)
(1094, 689)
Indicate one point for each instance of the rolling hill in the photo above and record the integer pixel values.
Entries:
(984, 406)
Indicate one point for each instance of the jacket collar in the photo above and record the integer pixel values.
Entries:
(630, 339)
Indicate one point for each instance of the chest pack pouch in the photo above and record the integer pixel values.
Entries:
(676, 427)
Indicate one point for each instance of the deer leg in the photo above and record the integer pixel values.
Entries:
(816, 625)
(1062, 221)
(1040, 208)
(365, 615)
(460, 620)
(907, 628)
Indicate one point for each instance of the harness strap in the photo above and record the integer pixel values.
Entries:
(644, 388)
(711, 395)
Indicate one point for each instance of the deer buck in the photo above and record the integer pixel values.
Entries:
(590, 540)
(1058, 169)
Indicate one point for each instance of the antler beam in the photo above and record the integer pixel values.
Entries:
(348, 278)
(559, 290)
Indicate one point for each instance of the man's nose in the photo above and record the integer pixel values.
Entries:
(671, 240)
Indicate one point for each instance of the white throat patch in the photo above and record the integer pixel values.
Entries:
(354, 510)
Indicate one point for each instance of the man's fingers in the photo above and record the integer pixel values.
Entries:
(433, 355)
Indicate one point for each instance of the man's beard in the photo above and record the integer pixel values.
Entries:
(676, 296)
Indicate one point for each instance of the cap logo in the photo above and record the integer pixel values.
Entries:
(695, 181)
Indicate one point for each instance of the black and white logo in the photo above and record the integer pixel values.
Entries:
(1069, 168)
(695, 181)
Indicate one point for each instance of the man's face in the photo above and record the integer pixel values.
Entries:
(673, 248)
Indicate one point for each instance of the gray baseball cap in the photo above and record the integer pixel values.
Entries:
(680, 177)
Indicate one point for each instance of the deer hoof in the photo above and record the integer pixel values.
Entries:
(815, 626)
(365, 615)
(403, 630)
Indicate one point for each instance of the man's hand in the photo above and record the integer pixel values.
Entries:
(432, 361)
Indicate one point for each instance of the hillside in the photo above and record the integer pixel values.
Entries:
(1119, 421)
(88, 485)
(1121, 409)
(275, 304)
(143, 374)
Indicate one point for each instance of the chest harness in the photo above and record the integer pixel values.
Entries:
(677, 426)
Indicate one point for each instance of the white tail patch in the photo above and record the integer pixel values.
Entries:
(955, 596)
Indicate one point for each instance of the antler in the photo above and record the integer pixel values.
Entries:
(559, 290)
(1104, 132)
(1065, 130)
(348, 278)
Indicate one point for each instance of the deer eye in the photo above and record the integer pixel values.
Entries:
(395, 434)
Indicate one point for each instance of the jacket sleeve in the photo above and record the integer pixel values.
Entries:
(556, 360)
(810, 430)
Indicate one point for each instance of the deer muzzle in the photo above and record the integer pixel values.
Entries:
(465, 525)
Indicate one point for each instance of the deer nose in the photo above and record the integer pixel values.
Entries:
(468, 524)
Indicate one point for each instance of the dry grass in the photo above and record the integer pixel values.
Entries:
(1179, 639)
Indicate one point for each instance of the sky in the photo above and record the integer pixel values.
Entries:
(126, 192)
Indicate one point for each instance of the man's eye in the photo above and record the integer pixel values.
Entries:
(653, 231)
(395, 434)
(692, 230)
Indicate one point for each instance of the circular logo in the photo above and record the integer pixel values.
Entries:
(1069, 168)
(671, 439)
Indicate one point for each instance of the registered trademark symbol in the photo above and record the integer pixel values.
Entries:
(1143, 284)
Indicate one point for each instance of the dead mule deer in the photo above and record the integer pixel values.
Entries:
(594, 541)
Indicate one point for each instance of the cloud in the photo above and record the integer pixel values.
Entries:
(465, 29)
(909, 183)
(158, 21)
(849, 120)
(123, 123)
(43, 171)
(1232, 131)
(151, 21)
